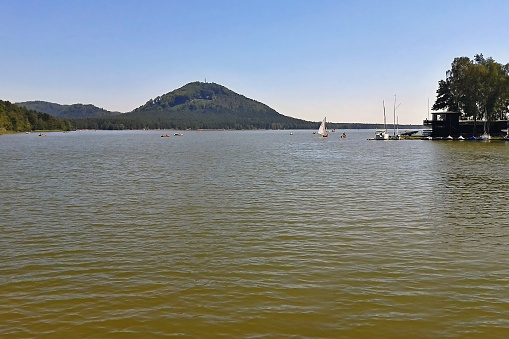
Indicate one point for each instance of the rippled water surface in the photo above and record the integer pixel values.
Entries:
(252, 234)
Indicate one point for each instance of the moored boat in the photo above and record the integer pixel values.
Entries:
(381, 134)
(485, 137)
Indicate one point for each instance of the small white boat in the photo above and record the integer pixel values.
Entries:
(178, 134)
(461, 137)
(486, 135)
(323, 130)
(381, 134)
(506, 137)
(449, 137)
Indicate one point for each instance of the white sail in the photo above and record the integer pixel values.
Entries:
(322, 130)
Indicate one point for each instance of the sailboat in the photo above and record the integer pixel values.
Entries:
(486, 134)
(396, 135)
(485, 137)
(506, 137)
(323, 130)
(382, 134)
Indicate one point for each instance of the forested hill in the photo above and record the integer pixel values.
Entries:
(67, 111)
(199, 105)
(20, 119)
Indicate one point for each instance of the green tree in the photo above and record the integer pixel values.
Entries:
(445, 99)
(494, 89)
(478, 88)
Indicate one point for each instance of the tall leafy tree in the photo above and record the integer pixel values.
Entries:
(477, 88)
(494, 89)
(445, 99)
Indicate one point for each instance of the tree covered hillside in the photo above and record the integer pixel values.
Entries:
(199, 105)
(67, 111)
(20, 119)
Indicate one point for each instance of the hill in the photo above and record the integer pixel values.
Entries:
(20, 119)
(199, 105)
(67, 111)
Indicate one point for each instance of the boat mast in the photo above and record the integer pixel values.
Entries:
(394, 123)
(385, 124)
(395, 114)
(428, 108)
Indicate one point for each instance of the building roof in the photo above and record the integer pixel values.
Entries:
(448, 112)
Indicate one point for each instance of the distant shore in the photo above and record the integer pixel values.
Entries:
(3, 132)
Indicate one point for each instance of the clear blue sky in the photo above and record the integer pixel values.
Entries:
(305, 59)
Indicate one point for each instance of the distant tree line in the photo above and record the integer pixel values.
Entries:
(20, 119)
(478, 89)
(160, 121)
(130, 123)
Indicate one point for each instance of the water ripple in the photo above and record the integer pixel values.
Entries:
(252, 234)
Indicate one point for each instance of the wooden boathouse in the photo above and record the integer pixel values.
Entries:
(445, 124)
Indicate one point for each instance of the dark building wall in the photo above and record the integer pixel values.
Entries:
(445, 124)
(495, 128)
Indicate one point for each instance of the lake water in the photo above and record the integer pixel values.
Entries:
(255, 234)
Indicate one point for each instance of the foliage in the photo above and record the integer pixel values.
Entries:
(21, 119)
(199, 105)
(477, 88)
(67, 111)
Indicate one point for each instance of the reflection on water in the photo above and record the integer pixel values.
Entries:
(472, 192)
(252, 234)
